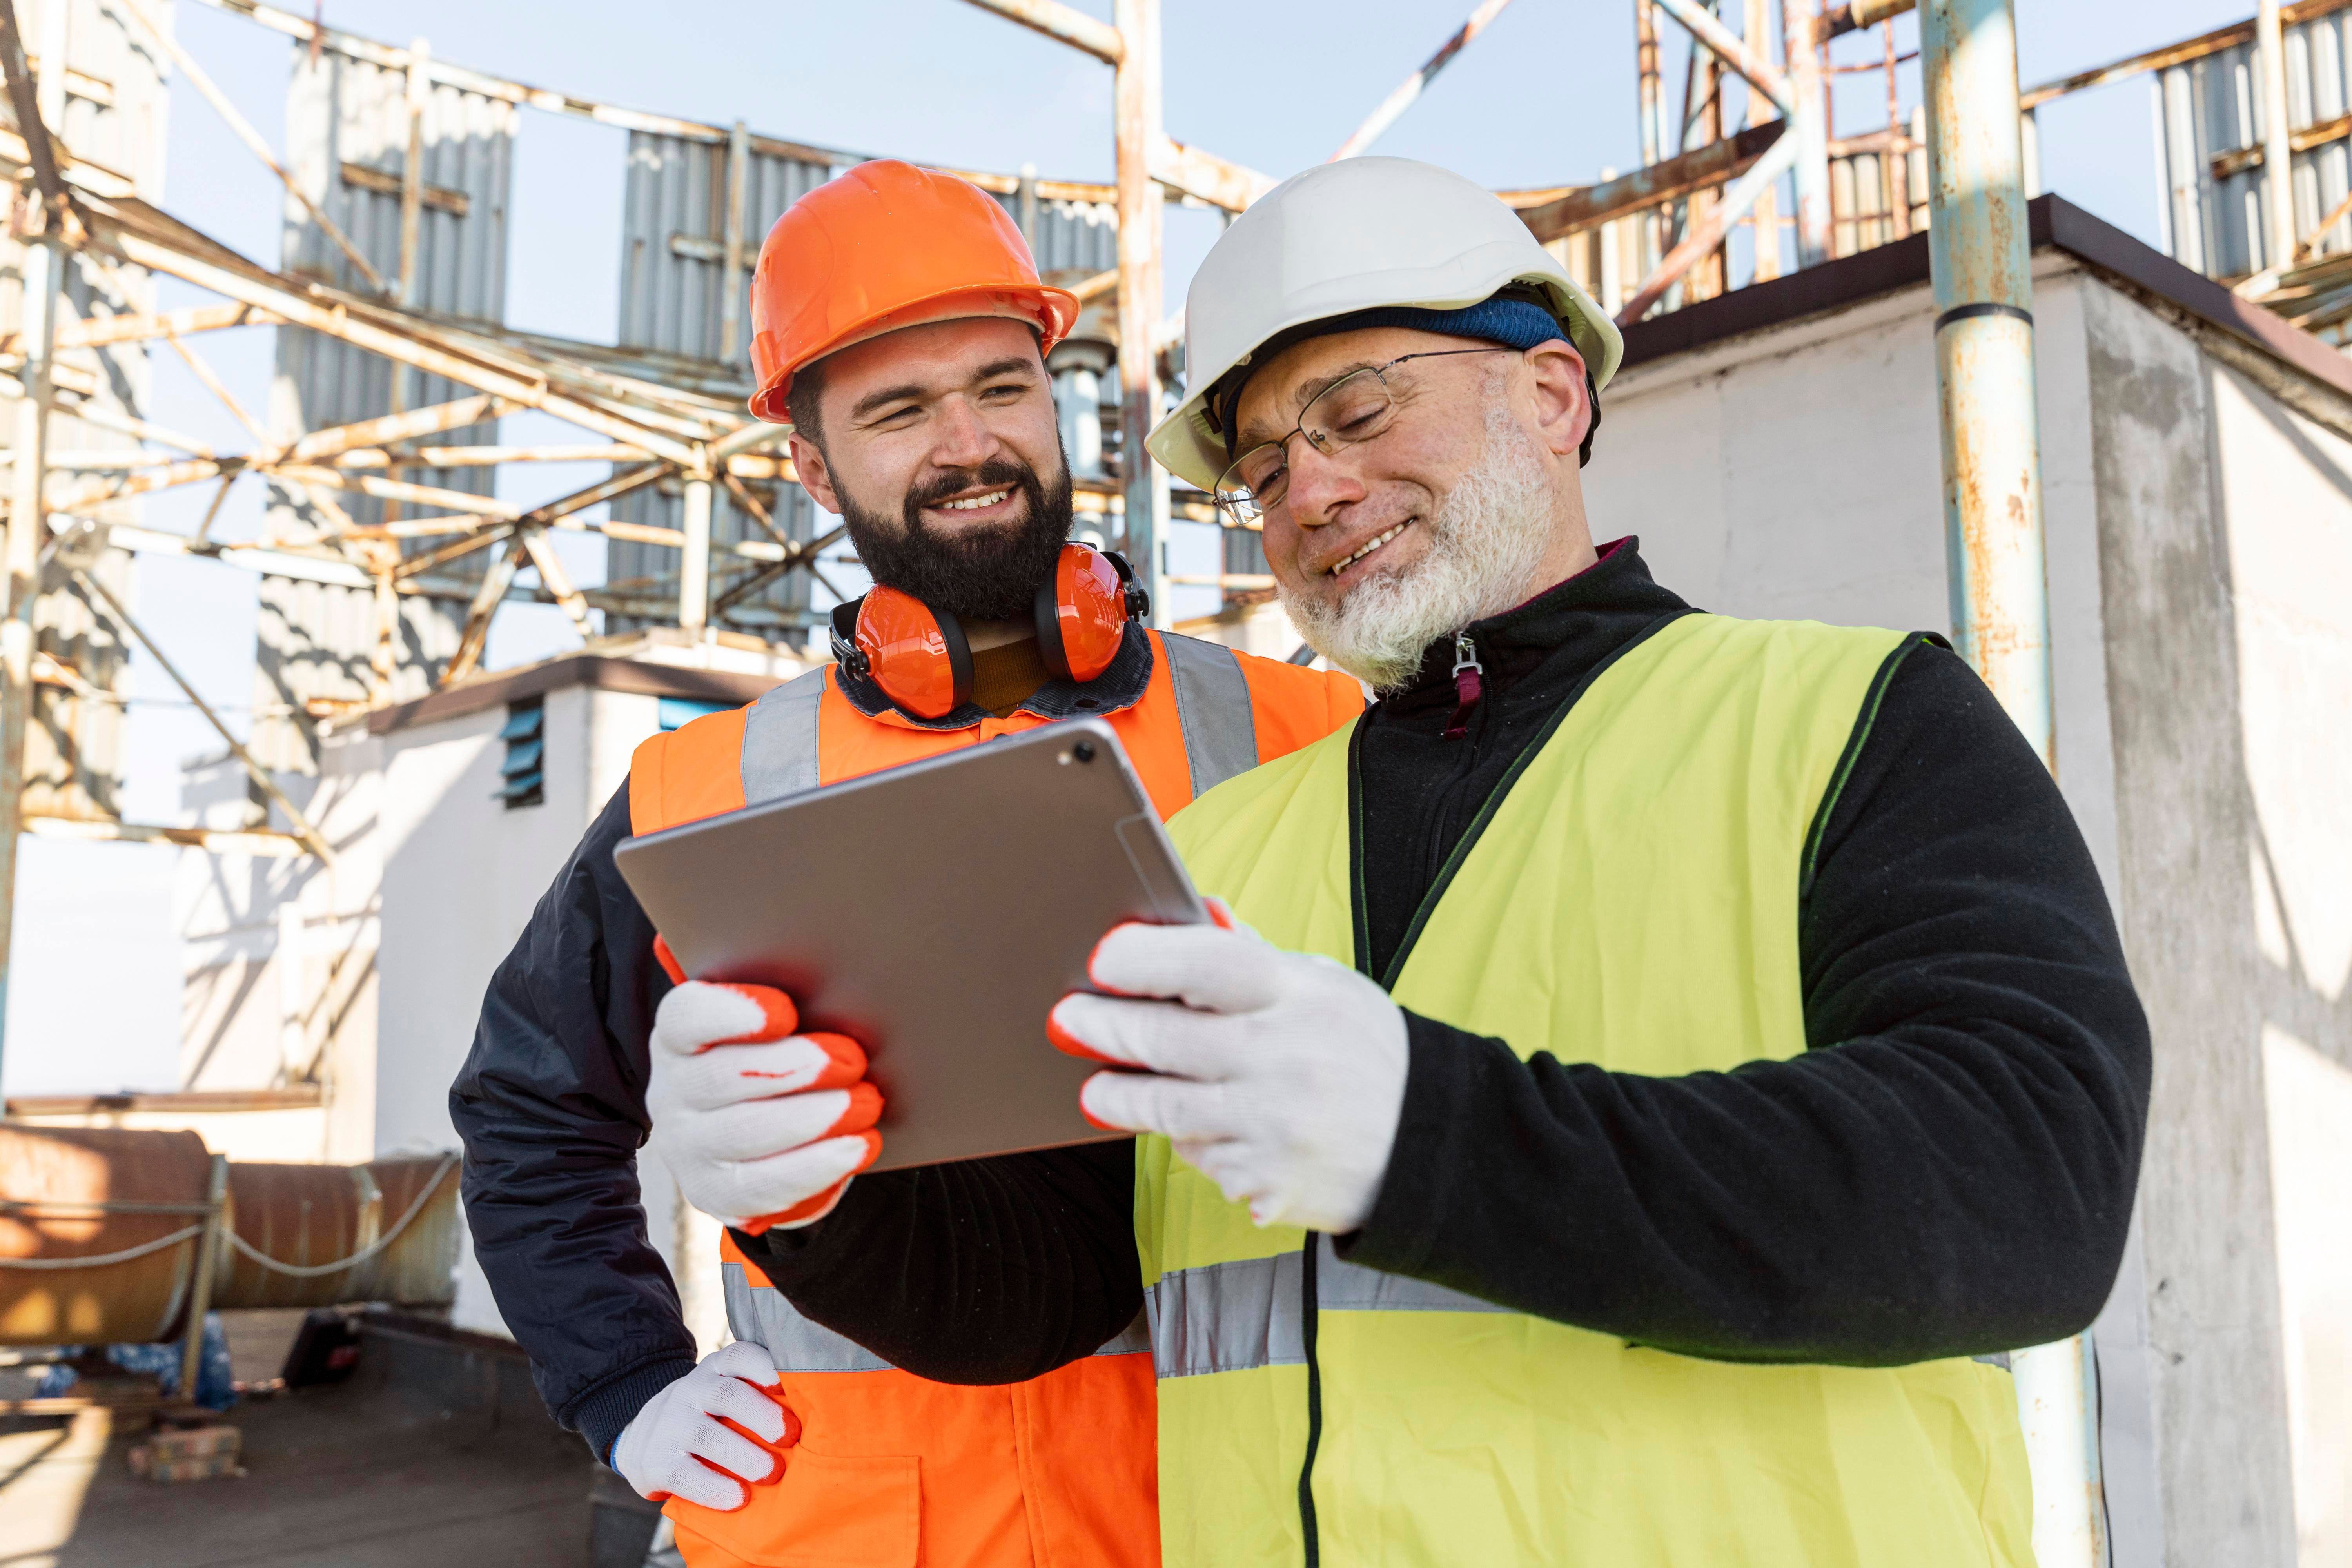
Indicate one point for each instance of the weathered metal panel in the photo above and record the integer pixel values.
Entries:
(2209, 140)
(115, 109)
(347, 129)
(673, 299)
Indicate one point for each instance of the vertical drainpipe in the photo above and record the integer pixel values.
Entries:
(1800, 30)
(43, 263)
(1138, 131)
(1980, 254)
(2278, 157)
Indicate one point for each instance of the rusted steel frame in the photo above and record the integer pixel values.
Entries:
(694, 559)
(1137, 122)
(1409, 91)
(486, 456)
(1840, 20)
(730, 269)
(1706, 235)
(260, 775)
(487, 597)
(99, 332)
(1063, 25)
(219, 388)
(2181, 53)
(750, 503)
(1758, 72)
(245, 132)
(339, 438)
(411, 351)
(555, 579)
(802, 555)
(1220, 182)
(1810, 122)
(1764, 218)
(2239, 159)
(761, 466)
(2263, 287)
(1593, 206)
(226, 841)
(411, 565)
(1095, 287)
(91, 412)
(98, 491)
(1645, 65)
(416, 90)
(395, 490)
(23, 101)
(2270, 65)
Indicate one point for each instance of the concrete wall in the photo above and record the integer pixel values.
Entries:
(2201, 582)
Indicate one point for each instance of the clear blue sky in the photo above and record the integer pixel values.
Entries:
(1545, 97)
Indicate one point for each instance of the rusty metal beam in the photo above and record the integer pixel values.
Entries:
(1720, 41)
(1063, 25)
(1840, 20)
(484, 607)
(100, 331)
(1217, 181)
(1579, 209)
(339, 438)
(1708, 232)
(1407, 92)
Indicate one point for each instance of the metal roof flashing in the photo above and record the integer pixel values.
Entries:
(2190, 297)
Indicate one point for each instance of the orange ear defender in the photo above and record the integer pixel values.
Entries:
(922, 661)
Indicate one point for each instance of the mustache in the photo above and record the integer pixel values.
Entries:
(996, 473)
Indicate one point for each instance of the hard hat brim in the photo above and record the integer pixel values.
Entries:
(1052, 311)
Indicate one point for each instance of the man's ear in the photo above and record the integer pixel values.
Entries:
(1563, 400)
(808, 467)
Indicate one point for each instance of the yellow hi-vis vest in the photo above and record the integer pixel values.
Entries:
(1630, 899)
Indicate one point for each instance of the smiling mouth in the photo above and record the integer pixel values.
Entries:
(974, 503)
(1369, 545)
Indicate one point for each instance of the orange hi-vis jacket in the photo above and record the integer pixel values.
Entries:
(891, 1471)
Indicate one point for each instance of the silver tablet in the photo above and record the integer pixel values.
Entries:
(934, 912)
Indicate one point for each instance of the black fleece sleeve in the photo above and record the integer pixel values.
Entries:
(980, 1272)
(552, 1107)
(1947, 1171)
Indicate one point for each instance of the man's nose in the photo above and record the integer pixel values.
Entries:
(964, 439)
(1320, 485)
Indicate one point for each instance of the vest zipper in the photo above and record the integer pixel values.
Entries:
(1310, 1535)
(1469, 684)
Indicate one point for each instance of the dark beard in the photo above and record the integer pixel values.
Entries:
(979, 577)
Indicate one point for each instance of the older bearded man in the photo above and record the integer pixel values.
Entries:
(1681, 1055)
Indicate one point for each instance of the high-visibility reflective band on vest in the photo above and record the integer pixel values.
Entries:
(1632, 901)
(892, 1468)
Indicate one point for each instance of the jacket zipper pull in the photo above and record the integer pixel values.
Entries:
(1468, 685)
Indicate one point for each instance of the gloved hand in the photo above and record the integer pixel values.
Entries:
(694, 1440)
(1280, 1077)
(761, 1126)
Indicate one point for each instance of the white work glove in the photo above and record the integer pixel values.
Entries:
(1280, 1077)
(694, 1440)
(761, 1126)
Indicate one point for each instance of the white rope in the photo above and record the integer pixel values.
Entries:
(315, 1270)
(102, 1259)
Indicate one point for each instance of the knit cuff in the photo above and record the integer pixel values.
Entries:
(604, 1410)
(1417, 1191)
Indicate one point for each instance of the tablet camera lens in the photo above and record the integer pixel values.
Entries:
(1083, 750)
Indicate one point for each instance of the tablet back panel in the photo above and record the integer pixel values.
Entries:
(934, 912)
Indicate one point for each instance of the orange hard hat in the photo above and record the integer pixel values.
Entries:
(883, 247)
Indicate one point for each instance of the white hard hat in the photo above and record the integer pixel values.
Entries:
(1353, 236)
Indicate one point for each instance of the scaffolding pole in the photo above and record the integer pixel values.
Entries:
(1981, 262)
(1137, 91)
(1802, 33)
(2278, 156)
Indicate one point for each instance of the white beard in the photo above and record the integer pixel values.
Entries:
(1486, 540)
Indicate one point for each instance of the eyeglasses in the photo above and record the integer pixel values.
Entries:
(1355, 408)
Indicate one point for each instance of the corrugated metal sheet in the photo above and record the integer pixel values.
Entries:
(347, 127)
(2210, 122)
(115, 113)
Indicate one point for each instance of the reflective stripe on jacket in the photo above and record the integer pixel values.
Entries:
(1630, 900)
(892, 1470)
